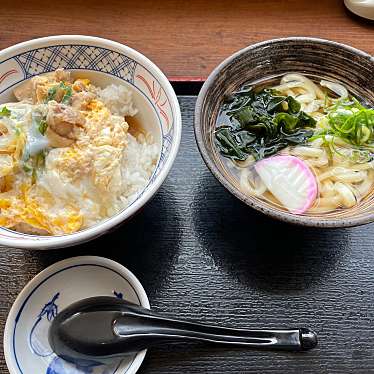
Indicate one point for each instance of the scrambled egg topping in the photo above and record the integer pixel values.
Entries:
(60, 155)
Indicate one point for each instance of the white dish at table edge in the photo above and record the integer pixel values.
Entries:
(53, 289)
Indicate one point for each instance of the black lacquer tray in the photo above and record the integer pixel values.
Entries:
(202, 254)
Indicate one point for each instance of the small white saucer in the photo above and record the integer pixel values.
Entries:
(26, 346)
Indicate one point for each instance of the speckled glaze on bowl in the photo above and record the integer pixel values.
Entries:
(268, 60)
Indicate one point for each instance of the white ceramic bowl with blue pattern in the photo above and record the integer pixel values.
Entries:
(104, 62)
(26, 346)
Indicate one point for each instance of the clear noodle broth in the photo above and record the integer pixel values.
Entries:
(302, 146)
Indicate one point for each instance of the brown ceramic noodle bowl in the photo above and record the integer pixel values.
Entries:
(269, 60)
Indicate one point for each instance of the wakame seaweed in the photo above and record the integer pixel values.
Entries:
(261, 124)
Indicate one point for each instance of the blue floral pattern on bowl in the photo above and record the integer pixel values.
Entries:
(86, 57)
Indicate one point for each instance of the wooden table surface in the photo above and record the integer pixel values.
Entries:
(201, 254)
(187, 39)
(197, 258)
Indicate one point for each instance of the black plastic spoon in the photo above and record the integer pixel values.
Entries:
(101, 328)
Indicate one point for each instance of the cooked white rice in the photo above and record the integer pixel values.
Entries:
(141, 153)
(138, 164)
(118, 99)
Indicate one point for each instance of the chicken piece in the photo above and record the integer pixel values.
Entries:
(62, 119)
(57, 141)
(80, 100)
(24, 91)
(33, 91)
(63, 122)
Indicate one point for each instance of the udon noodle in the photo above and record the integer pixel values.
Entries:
(338, 148)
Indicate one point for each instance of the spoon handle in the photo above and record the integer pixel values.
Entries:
(153, 329)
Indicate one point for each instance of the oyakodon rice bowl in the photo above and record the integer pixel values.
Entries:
(67, 156)
(90, 129)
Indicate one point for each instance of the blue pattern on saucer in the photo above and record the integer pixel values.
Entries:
(57, 365)
(49, 311)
